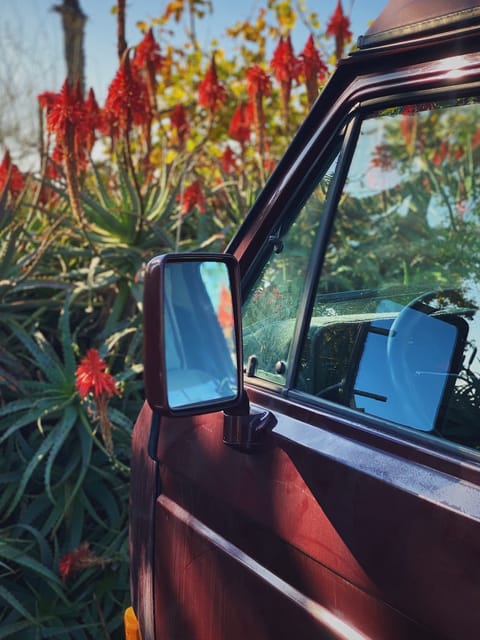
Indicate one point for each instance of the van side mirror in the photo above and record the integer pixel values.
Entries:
(192, 334)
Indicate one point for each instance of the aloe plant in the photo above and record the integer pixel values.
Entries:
(59, 487)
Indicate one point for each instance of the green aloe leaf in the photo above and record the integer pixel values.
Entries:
(11, 553)
(17, 606)
(66, 340)
(62, 431)
(41, 352)
(37, 458)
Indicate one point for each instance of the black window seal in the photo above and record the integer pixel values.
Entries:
(319, 250)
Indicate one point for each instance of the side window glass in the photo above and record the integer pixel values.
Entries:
(395, 329)
(271, 309)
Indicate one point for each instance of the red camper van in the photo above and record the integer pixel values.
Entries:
(307, 461)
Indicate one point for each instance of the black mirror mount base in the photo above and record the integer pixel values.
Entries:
(246, 431)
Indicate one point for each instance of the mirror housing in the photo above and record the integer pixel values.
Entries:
(192, 334)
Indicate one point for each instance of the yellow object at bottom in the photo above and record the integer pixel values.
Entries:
(132, 629)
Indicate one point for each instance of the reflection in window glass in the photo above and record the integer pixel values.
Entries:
(270, 312)
(217, 283)
(395, 329)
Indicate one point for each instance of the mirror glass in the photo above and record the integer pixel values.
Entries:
(200, 341)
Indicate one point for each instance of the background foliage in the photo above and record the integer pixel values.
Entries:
(172, 161)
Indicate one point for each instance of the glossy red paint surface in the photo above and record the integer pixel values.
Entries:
(335, 523)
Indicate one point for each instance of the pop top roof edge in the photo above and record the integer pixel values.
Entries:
(404, 19)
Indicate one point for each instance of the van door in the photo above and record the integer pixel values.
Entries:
(362, 332)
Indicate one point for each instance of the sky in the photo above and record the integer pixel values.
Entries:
(34, 21)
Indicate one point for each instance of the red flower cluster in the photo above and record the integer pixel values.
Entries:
(11, 177)
(286, 67)
(47, 99)
(258, 86)
(339, 27)
(476, 139)
(92, 377)
(225, 310)
(449, 152)
(178, 118)
(240, 123)
(211, 94)
(78, 559)
(313, 69)
(93, 119)
(148, 58)
(258, 82)
(127, 101)
(147, 53)
(72, 119)
(65, 110)
(228, 161)
(382, 158)
(192, 197)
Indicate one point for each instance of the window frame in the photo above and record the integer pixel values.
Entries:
(351, 124)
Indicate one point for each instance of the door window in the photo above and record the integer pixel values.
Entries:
(395, 328)
(272, 307)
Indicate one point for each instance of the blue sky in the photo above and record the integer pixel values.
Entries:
(35, 22)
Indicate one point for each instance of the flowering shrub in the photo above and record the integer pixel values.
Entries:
(172, 161)
(93, 379)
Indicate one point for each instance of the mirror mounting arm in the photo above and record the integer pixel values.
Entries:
(245, 431)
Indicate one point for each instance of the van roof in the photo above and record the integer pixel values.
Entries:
(403, 20)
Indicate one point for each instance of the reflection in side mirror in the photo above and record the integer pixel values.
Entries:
(192, 349)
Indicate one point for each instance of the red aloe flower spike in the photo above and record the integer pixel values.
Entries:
(91, 376)
(66, 114)
(147, 52)
(46, 100)
(228, 161)
(127, 101)
(149, 59)
(339, 27)
(192, 196)
(66, 120)
(476, 139)
(225, 310)
(258, 86)
(178, 118)
(382, 158)
(211, 94)
(286, 67)
(285, 64)
(313, 69)
(11, 177)
(258, 82)
(93, 119)
(239, 128)
(80, 558)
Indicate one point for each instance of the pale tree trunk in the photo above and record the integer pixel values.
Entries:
(73, 20)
